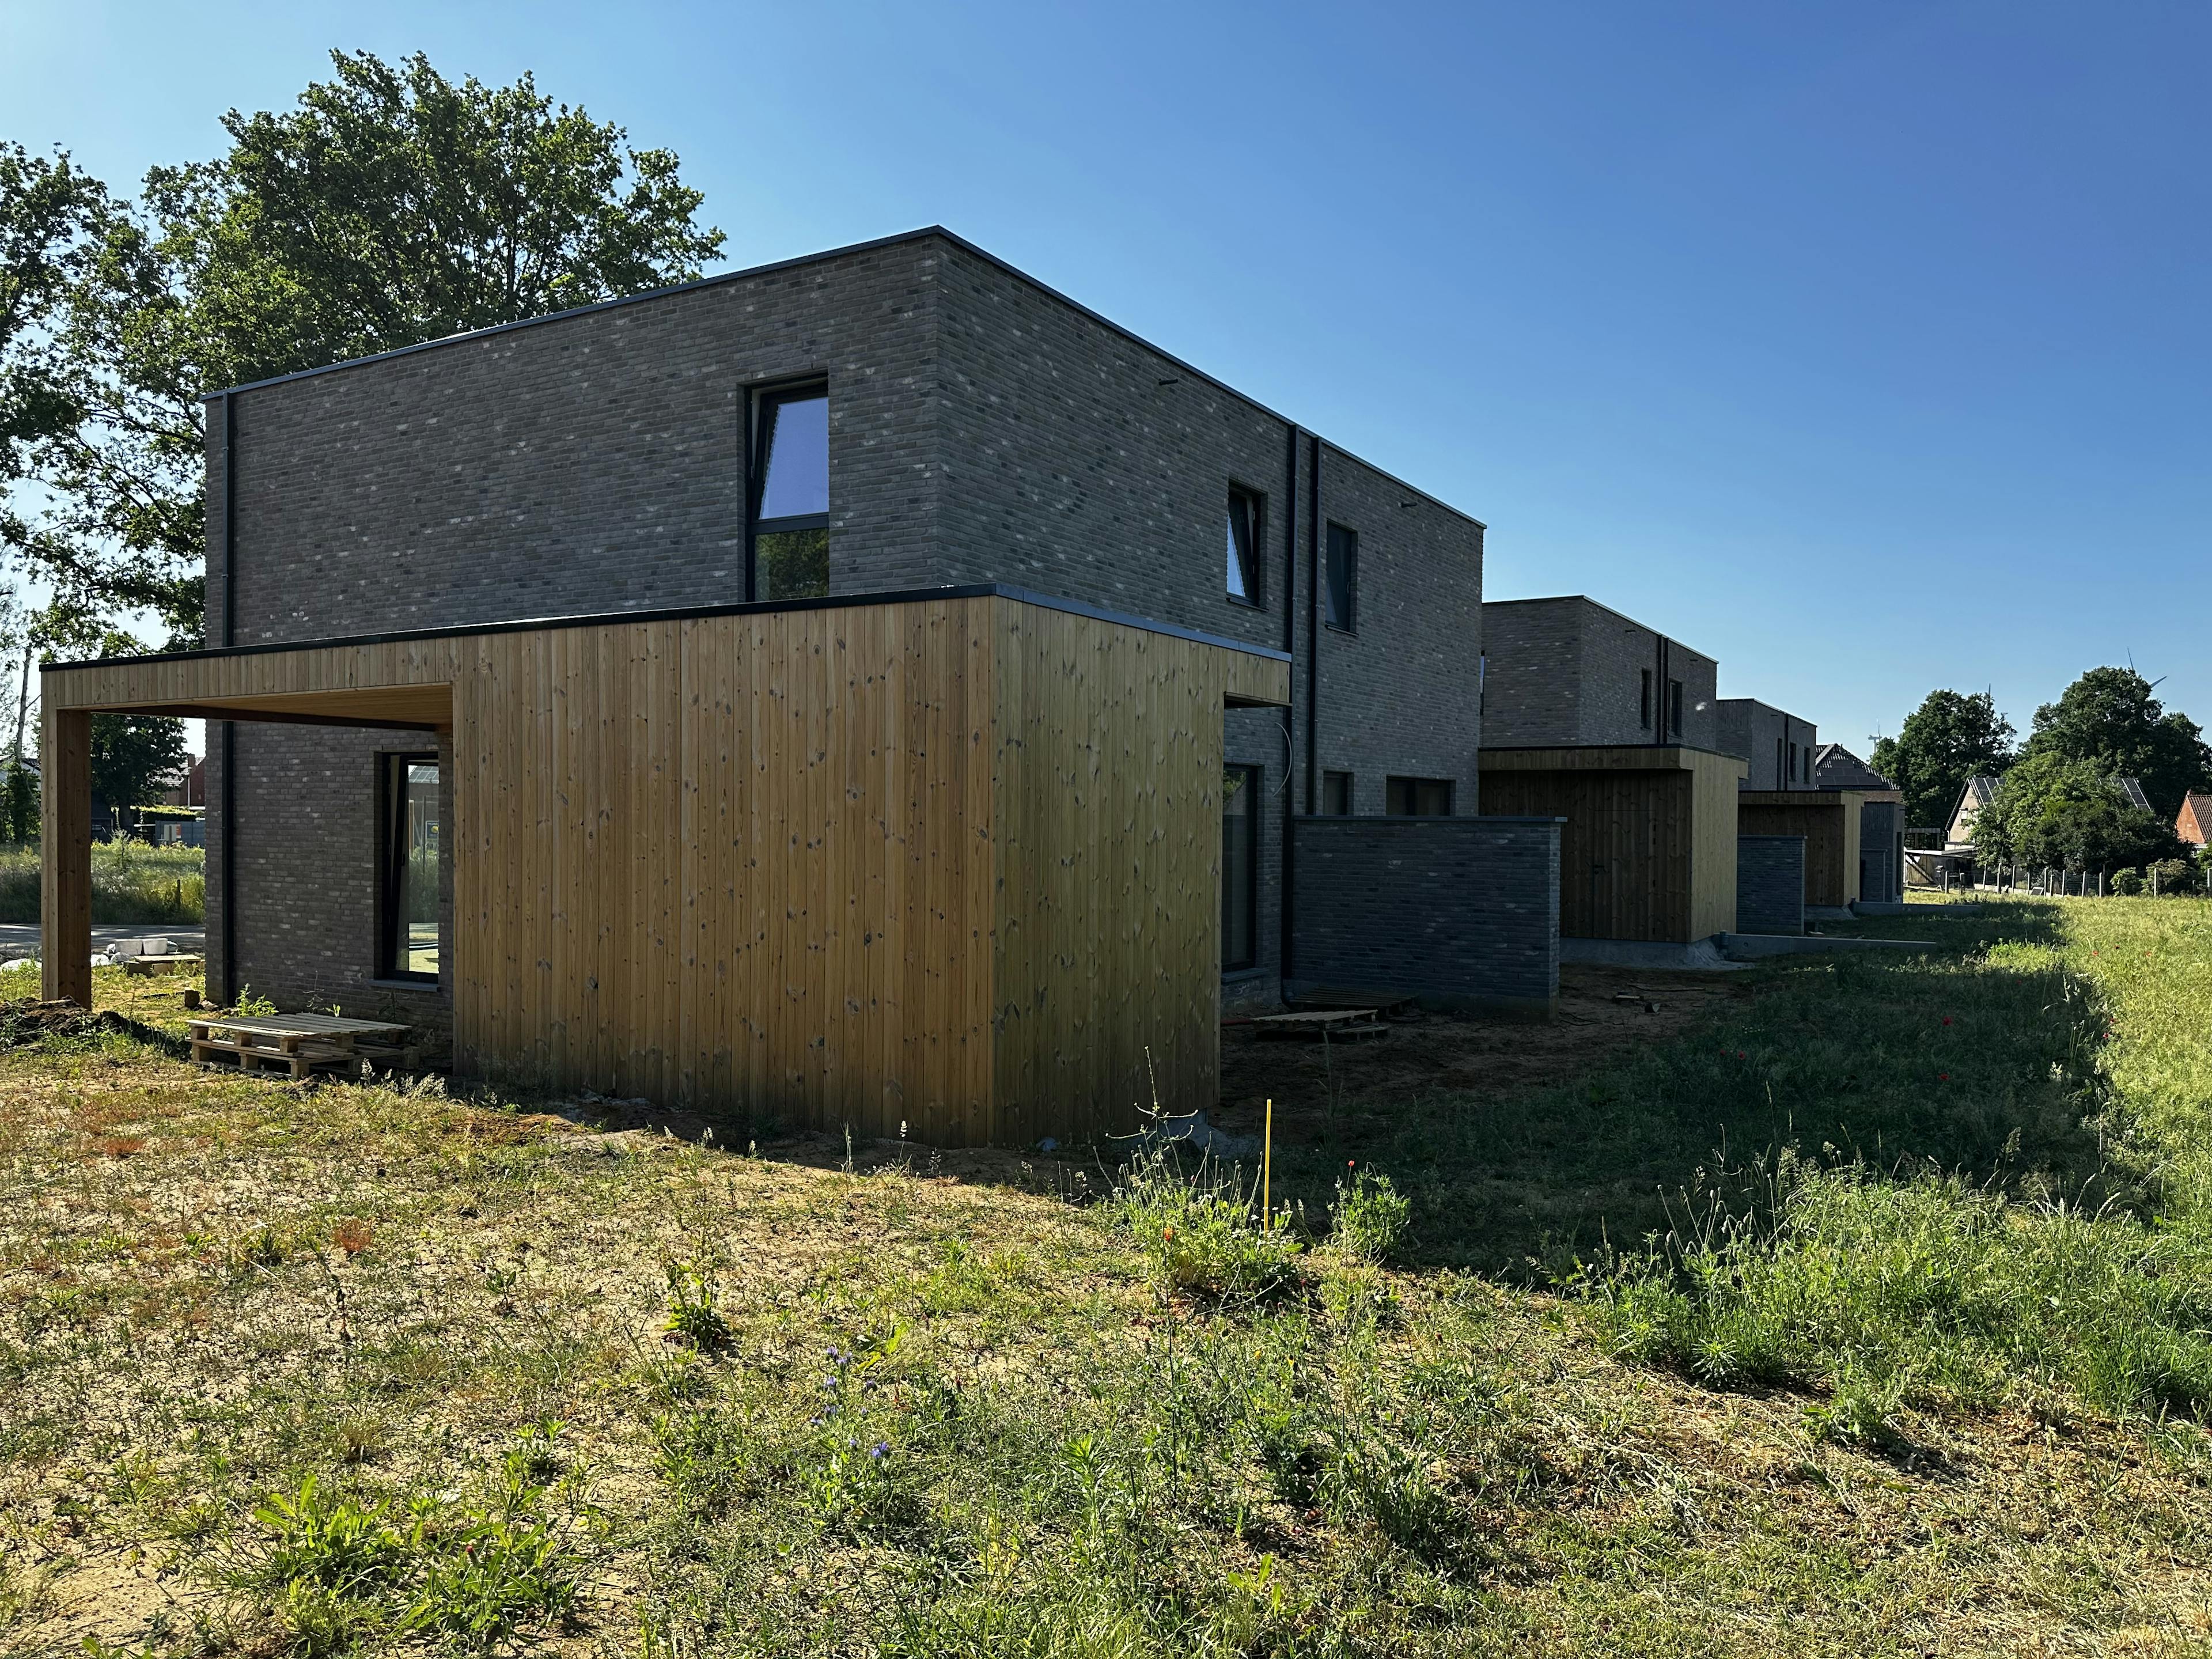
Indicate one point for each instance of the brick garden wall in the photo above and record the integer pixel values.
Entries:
(1770, 884)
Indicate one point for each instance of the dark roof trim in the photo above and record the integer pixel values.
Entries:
(725, 276)
(680, 613)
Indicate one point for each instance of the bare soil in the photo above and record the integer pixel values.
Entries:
(1603, 1012)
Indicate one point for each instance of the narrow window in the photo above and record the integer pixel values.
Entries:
(1420, 798)
(1240, 866)
(407, 934)
(1793, 762)
(791, 494)
(1244, 546)
(1342, 585)
(1778, 773)
(1643, 706)
(1673, 708)
(1336, 794)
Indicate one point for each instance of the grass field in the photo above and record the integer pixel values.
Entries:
(1871, 1317)
(131, 882)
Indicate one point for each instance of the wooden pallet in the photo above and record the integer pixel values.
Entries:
(1330, 1024)
(297, 1043)
(1397, 1006)
(151, 965)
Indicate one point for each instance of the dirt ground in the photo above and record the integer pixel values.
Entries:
(1602, 1010)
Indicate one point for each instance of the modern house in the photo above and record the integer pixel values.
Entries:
(1590, 716)
(2193, 823)
(750, 693)
(1777, 745)
(1853, 823)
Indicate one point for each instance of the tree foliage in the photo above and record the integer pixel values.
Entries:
(2109, 720)
(134, 758)
(392, 206)
(2055, 810)
(1953, 736)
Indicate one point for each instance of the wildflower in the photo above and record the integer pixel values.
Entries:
(1739, 1054)
(1167, 1233)
(1942, 1077)
(1947, 1019)
(880, 1449)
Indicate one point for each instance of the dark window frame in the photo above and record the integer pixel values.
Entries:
(1350, 621)
(1673, 708)
(1254, 597)
(758, 401)
(1412, 792)
(1251, 789)
(1643, 705)
(391, 853)
(1330, 781)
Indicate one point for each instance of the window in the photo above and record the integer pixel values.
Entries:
(1420, 798)
(407, 942)
(1336, 794)
(791, 494)
(1643, 707)
(1244, 546)
(1673, 708)
(1793, 762)
(1778, 773)
(1342, 582)
(1240, 866)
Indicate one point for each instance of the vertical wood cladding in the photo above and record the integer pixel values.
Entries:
(949, 864)
(1829, 821)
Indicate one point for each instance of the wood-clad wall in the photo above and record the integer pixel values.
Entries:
(1830, 826)
(1714, 783)
(952, 865)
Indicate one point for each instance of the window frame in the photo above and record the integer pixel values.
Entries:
(392, 768)
(1644, 702)
(758, 400)
(1413, 787)
(1331, 779)
(1674, 709)
(1254, 597)
(1253, 777)
(1350, 624)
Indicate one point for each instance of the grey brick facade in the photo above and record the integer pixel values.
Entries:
(1881, 852)
(982, 427)
(1770, 884)
(1779, 747)
(1568, 672)
(1461, 911)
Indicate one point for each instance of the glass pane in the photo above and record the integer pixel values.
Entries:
(793, 564)
(1240, 547)
(795, 457)
(1336, 794)
(1343, 568)
(1238, 826)
(417, 896)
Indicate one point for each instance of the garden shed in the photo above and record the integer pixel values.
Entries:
(948, 860)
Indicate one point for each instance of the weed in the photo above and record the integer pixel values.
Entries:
(1369, 1217)
(692, 1318)
(1200, 1232)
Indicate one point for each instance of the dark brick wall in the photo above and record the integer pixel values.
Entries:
(1770, 884)
(1567, 673)
(1881, 848)
(980, 429)
(1751, 728)
(1461, 911)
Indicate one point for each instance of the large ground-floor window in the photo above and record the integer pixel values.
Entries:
(1240, 866)
(407, 849)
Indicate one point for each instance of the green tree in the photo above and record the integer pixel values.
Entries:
(2052, 809)
(2109, 720)
(390, 207)
(1951, 736)
(19, 803)
(134, 758)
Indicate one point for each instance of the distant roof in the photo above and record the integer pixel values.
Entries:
(1835, 767)
(1598, 605)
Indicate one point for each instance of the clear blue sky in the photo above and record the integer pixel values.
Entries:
(1864, 346)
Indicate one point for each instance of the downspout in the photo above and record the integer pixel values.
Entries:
(1313, 619)
(1289, 894)
(230, 989)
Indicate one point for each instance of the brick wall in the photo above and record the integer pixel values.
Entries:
(1770, 884)
(1461, 911)
(1881, 847)
(1568, 672)
(1751, 728)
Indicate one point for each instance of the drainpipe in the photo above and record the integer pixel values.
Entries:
(1289, 894)
(1313, 619)
(229, 992)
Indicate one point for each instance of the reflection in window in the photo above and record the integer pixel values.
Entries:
(1243, 547)
(1420, 798)
(408, 942)
(1336, 794)
(1341, 583)
(1240, 866)
(791, 499)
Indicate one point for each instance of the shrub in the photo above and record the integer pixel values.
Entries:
(2175, 876)
(131, 882)
(2127, 883)
(1200, 1232)
(1370, 1217)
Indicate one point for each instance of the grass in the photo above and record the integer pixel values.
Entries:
(1609, 1369)
(132, 882)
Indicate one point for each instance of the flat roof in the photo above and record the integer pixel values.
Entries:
(1600, 604)
(679, 613)
(922, 234)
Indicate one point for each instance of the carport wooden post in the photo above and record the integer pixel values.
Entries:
(65, 851)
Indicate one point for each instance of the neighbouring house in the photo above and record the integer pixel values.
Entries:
(1974, 798)
(2193, 823)
(1777, 745)
(867, 688)
(1835, 767)
(1591, 717)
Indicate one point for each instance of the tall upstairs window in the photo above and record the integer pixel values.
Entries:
(1243, 545)
(1340, 582)
(1643, 706)
(791, 494)
(407, 942)
(1673, 708)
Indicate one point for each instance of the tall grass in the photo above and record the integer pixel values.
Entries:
(132, 882)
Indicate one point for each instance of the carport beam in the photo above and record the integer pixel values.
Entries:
(65, 845)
